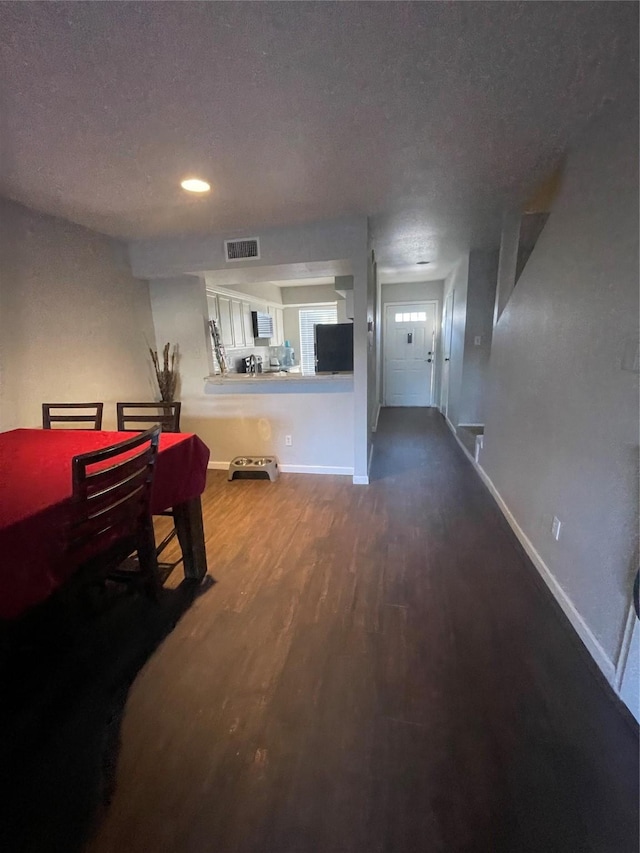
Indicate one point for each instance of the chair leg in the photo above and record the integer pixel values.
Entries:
(171, 535)
(148, 560)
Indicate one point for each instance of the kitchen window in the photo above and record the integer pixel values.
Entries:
(309, 318)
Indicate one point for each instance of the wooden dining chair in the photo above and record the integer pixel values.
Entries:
(51, 413)
(165, 414)
(110, 510)
(168, 416)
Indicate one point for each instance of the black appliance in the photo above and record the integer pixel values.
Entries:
(334, 347)
(250, 364)
(262, 324)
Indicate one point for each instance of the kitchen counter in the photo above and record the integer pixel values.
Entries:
(278, 382)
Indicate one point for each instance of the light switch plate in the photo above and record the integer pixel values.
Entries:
(556, 527)
(477, 341)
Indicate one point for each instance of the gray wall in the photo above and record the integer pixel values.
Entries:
(265, 290)
(481, 295)
(310, 294)
(413, 291)
(74, 323)
(561, 432)
(457, 281)
(509, 244)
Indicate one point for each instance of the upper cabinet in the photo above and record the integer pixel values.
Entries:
(247, 324)
(278, 325)
(237, 324)
(225, 321)
(233, 316)
(212, 304)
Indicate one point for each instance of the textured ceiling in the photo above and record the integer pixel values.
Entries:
(425, 116)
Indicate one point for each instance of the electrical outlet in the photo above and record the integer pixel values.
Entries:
(287, 440)
(555, 527)
(477, 340)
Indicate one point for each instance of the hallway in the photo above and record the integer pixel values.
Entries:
(375, 669)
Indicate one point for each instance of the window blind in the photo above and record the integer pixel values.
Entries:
(309, 317)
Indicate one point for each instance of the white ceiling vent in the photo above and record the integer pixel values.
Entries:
(245, 249)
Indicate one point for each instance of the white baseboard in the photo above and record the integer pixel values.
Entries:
(580, 626)
(315, 469)
(359, 480)
(453, 429)
(470, 425)
(294, 469)
(218, 466)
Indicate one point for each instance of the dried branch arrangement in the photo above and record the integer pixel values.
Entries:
(166, 373)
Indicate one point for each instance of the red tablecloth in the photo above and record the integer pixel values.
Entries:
(35, 489)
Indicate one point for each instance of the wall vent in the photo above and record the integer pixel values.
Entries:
(245, 249)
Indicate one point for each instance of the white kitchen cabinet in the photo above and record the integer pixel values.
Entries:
(277, 314)
(237, 323)
(226, 323)
(248, 324)
(212, 303)
(279, 326)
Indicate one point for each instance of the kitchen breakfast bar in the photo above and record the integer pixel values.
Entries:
(306, 421)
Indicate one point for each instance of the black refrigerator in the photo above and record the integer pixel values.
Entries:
(334, 347)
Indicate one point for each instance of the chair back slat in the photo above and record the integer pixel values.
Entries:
(111, 493)
(100, 477)
(111, 502)
(114, 520)
(130, 414)
(94, 417)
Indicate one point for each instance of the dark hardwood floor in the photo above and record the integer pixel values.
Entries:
(376, 670)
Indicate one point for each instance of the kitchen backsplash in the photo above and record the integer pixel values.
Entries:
(235, 356)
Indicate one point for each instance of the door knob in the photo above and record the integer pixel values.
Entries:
(429, 360)
(446, 359)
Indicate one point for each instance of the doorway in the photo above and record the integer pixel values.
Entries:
(409, 347)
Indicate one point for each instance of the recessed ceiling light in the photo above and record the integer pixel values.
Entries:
(195, 185)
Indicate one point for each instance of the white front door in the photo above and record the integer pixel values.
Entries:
(409, 354)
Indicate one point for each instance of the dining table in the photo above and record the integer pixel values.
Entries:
(36, 503)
